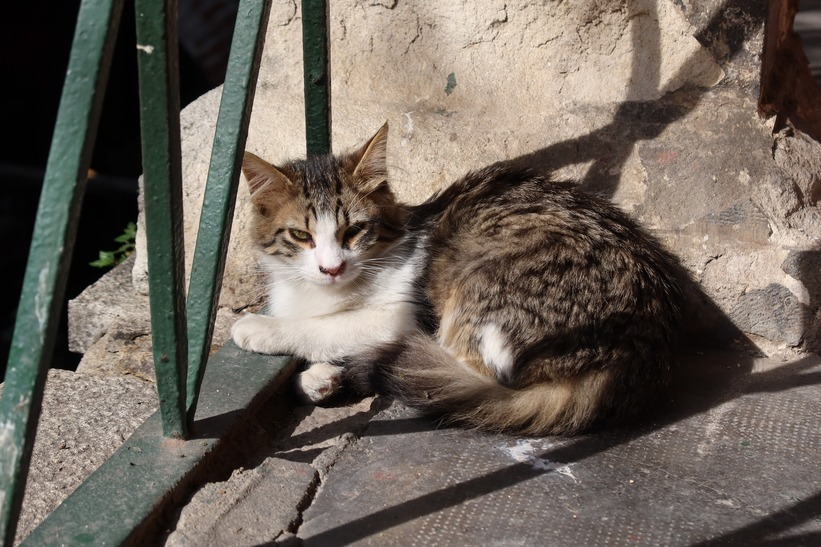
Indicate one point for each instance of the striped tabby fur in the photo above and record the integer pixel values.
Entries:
(507, 302)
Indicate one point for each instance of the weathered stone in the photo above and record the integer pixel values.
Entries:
(321, 433)
(692, 176)
(773, 313)
(125, 349)
(110, 323)
(805, 268)
(92, 312)
(800, 158)
(240, 511)
(724, 461)
(733, 32)
(620, 96)
(742, 221)
(790, 199)
(83, 421)
(264, 503)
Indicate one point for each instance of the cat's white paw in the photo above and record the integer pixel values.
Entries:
(319, 382)
(258, 333)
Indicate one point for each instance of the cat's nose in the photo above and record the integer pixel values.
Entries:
(335, 271)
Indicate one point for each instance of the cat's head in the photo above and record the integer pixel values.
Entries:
(326, 218)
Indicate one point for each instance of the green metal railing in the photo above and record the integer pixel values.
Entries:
(181, 334)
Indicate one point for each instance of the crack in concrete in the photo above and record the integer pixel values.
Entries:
(304, 440)
(306, 501)
(416, 36)
(312, 489)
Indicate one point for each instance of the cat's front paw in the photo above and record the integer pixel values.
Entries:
(318, 382)
(258, 333)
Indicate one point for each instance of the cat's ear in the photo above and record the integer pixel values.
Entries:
(371, 161)
(261, 174)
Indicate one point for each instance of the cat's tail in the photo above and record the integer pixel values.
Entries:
(423, 375)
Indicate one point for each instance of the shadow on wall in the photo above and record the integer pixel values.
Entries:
(634, 121)
(610, 146)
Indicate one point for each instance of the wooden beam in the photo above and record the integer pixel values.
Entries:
(787, 86)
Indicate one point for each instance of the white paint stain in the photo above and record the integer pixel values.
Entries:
(21, 403)
(8, 456)
(524, 452)
(41, 301)
(408, 128)
(728, 503)
(8, 450)
(6, 432)
(147, 49)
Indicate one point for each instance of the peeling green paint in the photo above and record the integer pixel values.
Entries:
(162, 179)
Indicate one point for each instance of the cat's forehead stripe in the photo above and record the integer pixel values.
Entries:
(321, 182)
(340, 209)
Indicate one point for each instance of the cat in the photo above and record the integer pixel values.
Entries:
(508, 301)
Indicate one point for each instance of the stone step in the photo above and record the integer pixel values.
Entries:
(85, 418)
(731, 458)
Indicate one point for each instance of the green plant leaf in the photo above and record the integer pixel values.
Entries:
(109, 259)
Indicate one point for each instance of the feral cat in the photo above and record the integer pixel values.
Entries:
(508, 301)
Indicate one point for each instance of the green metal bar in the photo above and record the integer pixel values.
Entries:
(316, 65)
(52, 245)
(221, 188)
(157, 55)
(122, 502)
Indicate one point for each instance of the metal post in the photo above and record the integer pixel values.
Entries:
(221, 188)
(52, 245)
(157, 47)
(316, 65)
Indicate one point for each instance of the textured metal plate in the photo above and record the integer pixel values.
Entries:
(732, 460)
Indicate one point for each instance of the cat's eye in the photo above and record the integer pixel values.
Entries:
(300, 235)
(353, 230)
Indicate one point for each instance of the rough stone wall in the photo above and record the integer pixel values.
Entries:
(649, 102)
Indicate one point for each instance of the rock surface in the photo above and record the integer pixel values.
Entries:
(264, 500)
(723, 462)
(85, 418)
(650, 102)
(110, 325)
